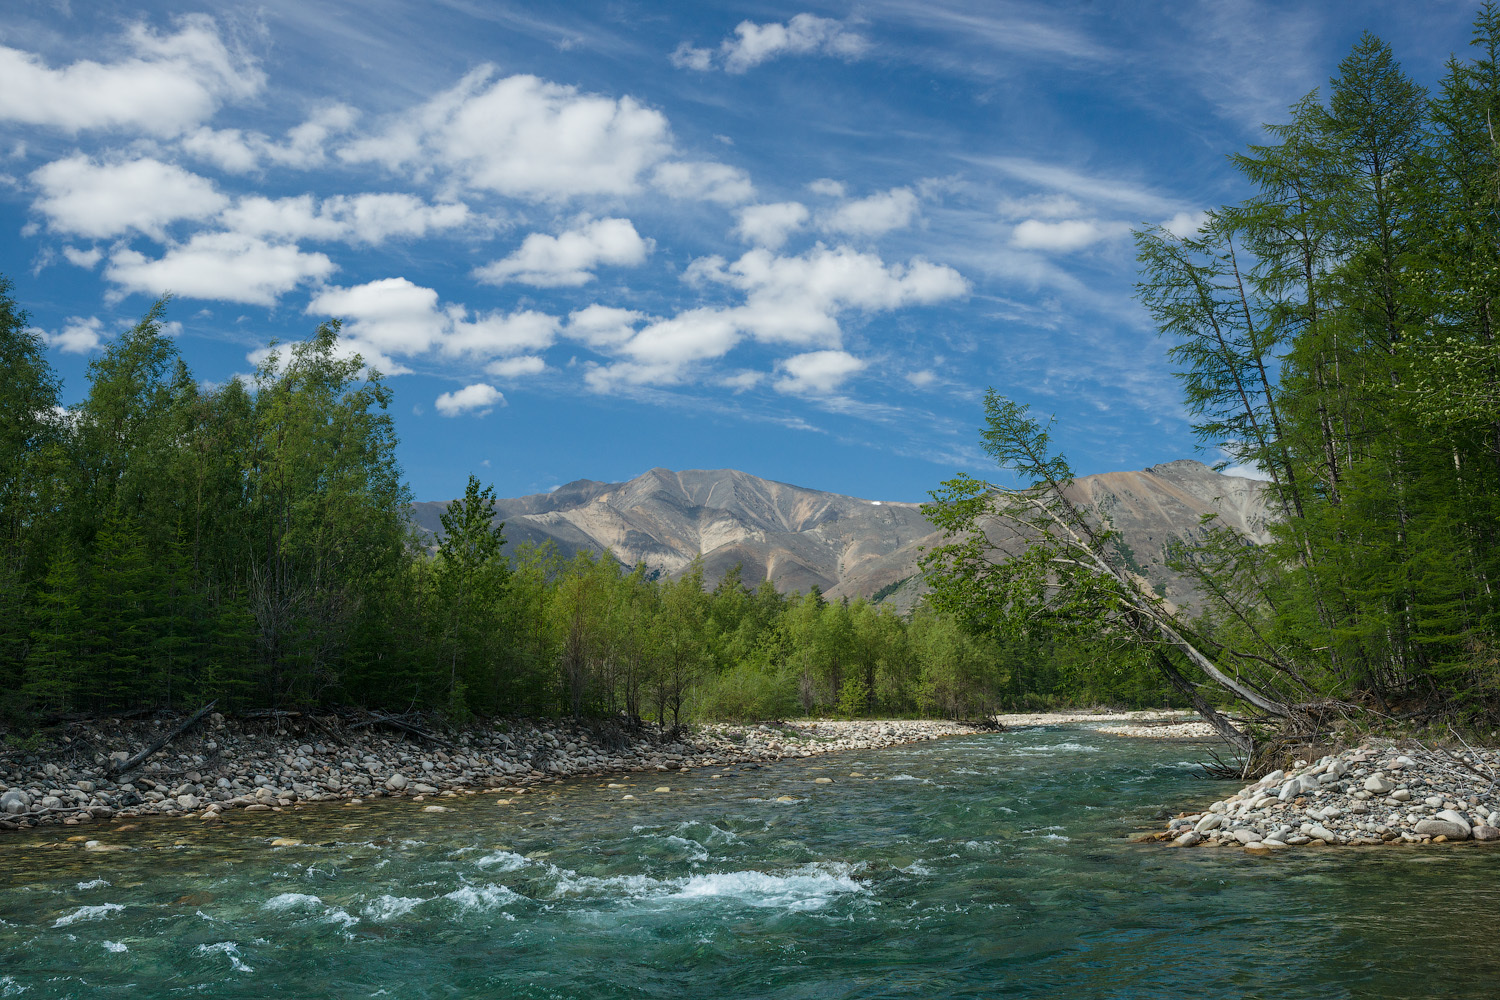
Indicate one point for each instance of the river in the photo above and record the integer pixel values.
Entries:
(983, 866)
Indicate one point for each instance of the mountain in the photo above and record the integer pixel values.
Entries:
(798, 537)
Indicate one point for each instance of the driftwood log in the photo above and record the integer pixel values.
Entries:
(161, 741)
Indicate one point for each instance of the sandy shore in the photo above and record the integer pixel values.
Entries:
(225, 764)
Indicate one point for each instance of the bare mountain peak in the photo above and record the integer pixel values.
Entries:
(797, 537)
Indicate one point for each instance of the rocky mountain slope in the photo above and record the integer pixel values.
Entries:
(847, 546)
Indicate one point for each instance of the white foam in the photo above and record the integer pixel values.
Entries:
(505, 861)
(809, 887)
(88, 913)
(98, 883)
(115, 946)
(695, 850)
(336, 915)
(390, 907)
(291, 901)
(229, 950)
(482, 897)
(10, 988)
(908, 777)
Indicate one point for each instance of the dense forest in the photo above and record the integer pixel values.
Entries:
(166, 543)
(163, 543)
(1337, 330)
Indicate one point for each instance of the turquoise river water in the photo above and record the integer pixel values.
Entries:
(984, 866)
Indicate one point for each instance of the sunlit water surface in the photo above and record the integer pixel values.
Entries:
(986, 866)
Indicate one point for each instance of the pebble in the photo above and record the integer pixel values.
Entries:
(224, 765)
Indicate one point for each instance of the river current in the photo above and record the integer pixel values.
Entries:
(983, 866)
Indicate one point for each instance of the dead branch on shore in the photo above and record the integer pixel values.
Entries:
(400, 723)
(157, 744)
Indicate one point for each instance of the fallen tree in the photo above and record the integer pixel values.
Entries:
(1070, 578)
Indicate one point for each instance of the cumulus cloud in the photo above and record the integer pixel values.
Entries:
(304, 146)
(769, 225)
(753, 44)
(827, 187)
(393, 315)
(524, 137)
(98, 200)
(817, 372)
(527, 364)
(603, 327)
(795, 299)
(501, 333)
(921, 379)
(1185, 224)
(478, 399)
(875, 215)
(170, 83)
(231, 267)
(86, 259)
(79, 335)
(1066, 234)
(569, 259)
(397, 317)
(361, 219)
(705, 181)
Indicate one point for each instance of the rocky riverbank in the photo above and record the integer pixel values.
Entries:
(1366, 796)
(283, 763)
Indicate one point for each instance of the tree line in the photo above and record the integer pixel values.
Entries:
(165, 542)
(1336, 330)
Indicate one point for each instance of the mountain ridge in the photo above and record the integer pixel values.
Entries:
(798, 537)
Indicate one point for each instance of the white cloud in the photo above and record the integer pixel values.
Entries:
(694, 335)
(1185, 224)
(102, 200)
(826, 186)
(397, 317)
(171, 83)
(817, 372)
(796, 299)
(393, 315)
(495, 333)
(789, 300)
(1083, 187)
(305, 145)
(1040, 206)
(687, 56)
(569, 259)
(704, 181)
(603, 326)
(1067, 234)
(769, 225)
(663, 351)
(527, 364)
(524, 137)
(362, 219)
(79, 335)
(86, 259)
(872, 216)
(480, 397)
(921, 379)
(228, 266)
(743, 381)
(753, 44)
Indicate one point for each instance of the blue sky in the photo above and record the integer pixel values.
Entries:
(587, 239)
